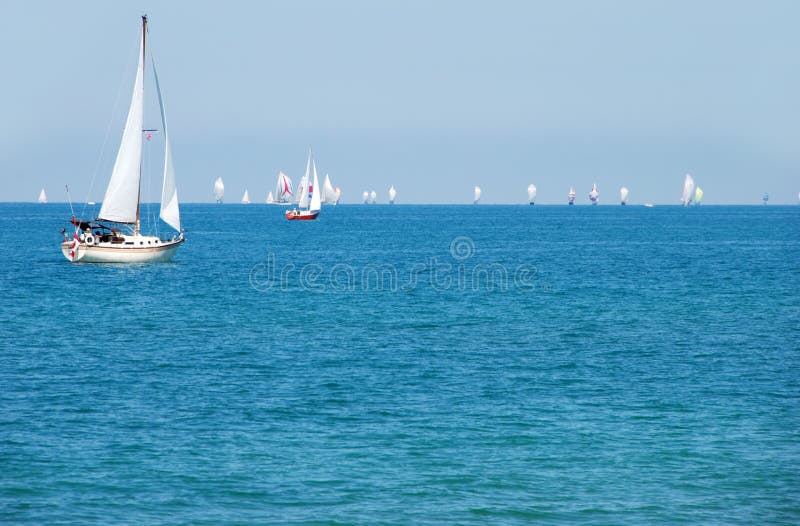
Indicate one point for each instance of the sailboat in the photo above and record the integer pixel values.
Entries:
(219, 190)
(392, 194)
(103, 240)
(623, 196)
(698, 195)
(476, 195)
(373, 197)
(301, 187)
(270, 199)
(309, 196)
(531, 193)
(688, 190)
(283, 189)
(42, 197)
(765, 198)
(365, 197)
(571, 196)
(246, 198)
(330, 195)
(594, 195)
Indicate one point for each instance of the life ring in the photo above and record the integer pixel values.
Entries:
(89, 239)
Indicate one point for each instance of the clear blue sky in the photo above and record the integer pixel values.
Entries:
(433, 97)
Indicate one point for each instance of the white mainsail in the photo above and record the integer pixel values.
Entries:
(623, 195)
(531, 193)
(477, 195)
(246, 198)
(365, 197)
(170, 211)
(121, 202)
(373, 196)
(392, 195)
(314, 190)
(219, 190)
(270, 199)
(42, 197)
(594, 195)
(698, 195)
(688, 190)
(283, 188)
(328, 192)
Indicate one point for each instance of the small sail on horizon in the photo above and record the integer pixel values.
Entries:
(219, 190)
(476, 195)
(270, 198)
(623, 196)
(688, 190)
(594, 195)
(329, 195)
(571, 196)
(373, 197)
(698, 195)
(246, 198)
(42, 197)
(365, 197)
(765, 198)
(392, 194)
(531, 193)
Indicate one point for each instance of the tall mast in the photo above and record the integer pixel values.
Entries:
(144, 55)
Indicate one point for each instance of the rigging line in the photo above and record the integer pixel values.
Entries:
(108, 130)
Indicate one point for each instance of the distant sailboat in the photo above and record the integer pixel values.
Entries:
(246, 198)
(765, 198)
(571, 196)
(219, 190)
(103, 240)
(698, 195)
(594, 195)
(365, 197)
(310, 201)
(283, 189)
(392, 195)
(270, 199)
(531, 193)
(477, 195)
(623, 196)
(42, 197)
(329, 194)
(688, 191)
(302, 186)
(373, 197)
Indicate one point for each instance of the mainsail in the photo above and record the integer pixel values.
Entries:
(219, 190)
(688, 190)
(121, 202)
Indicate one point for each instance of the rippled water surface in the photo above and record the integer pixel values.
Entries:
(409, 365)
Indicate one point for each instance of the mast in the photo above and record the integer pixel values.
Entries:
(144, 55)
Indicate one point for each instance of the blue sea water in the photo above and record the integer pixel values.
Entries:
(408, 365)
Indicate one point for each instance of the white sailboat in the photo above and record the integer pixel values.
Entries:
(531, 193)
(310, 195)
(246, 198)
(270, 199)
(365, 197)
(476, 195)
(392, 194)
(283, 189)
(330, 195)
(42, 197)
(688, 190)
(219, 190)
(594, 195)
(623, 196)
(698, 195)
(571, 196)
(103, 240)
(373, 197)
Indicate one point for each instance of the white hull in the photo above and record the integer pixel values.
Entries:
(156, 251)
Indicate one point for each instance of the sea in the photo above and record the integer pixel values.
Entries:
(407, 365)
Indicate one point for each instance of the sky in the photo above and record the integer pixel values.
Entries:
(431, 97)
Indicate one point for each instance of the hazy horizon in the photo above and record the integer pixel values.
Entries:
(433, 99)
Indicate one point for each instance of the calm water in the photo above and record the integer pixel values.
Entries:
(408, 364)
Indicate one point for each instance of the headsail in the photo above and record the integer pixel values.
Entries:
(314, 191)
(170, 211)
(121, 202)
